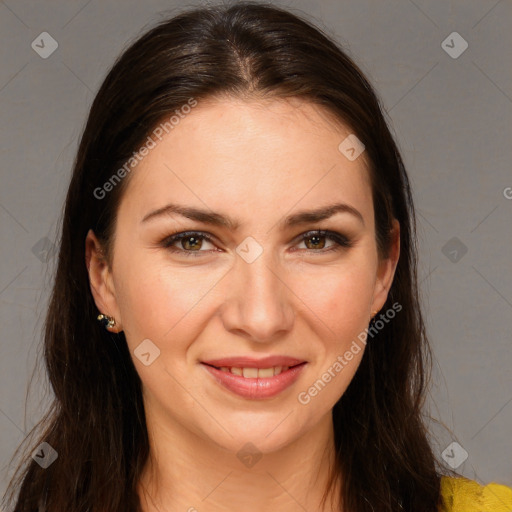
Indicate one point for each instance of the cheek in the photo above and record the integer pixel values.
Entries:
(340, 298)
(339, 306)
(158, 301)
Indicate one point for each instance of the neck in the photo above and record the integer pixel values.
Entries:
(185, 472)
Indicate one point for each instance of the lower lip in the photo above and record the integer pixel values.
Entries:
(256, 389)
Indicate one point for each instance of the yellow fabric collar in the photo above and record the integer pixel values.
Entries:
(464, 495)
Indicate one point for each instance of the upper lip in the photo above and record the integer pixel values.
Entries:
(250, 362)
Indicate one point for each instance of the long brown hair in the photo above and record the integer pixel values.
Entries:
(96, 422)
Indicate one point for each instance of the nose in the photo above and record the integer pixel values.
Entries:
(259, 303)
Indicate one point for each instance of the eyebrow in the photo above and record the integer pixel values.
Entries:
(217, 219)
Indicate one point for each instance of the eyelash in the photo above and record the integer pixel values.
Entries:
(341, 241)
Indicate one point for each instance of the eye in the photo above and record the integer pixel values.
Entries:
(191, 242)
(315, 241)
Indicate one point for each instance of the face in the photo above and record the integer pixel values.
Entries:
(252, 277)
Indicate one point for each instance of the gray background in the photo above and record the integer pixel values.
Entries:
(451, 117)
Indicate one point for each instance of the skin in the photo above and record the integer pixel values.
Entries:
(256, 161)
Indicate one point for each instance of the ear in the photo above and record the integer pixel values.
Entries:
(386, 269)
(100, 280)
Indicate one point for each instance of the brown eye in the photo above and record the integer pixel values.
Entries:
(315, 241)
(191, 243)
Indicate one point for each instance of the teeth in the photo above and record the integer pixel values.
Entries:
(264, 373)
(253, 373)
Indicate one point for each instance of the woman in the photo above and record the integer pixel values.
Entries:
(235, 322)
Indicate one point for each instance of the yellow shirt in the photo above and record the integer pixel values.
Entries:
(463, 495)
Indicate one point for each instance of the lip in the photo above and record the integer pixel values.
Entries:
(256, 389)
(250, 362)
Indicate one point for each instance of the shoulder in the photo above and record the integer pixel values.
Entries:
(464, 495)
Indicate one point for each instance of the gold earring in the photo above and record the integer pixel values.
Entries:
(374, 312)
(107, 321)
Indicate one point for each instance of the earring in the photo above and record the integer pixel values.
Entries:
(107, 321)
(374, 312)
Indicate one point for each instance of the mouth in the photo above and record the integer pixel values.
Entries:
(258, 381)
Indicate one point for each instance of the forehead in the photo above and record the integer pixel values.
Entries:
(231, 152)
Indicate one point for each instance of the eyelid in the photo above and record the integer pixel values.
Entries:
(180, 235)
(332, 235)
